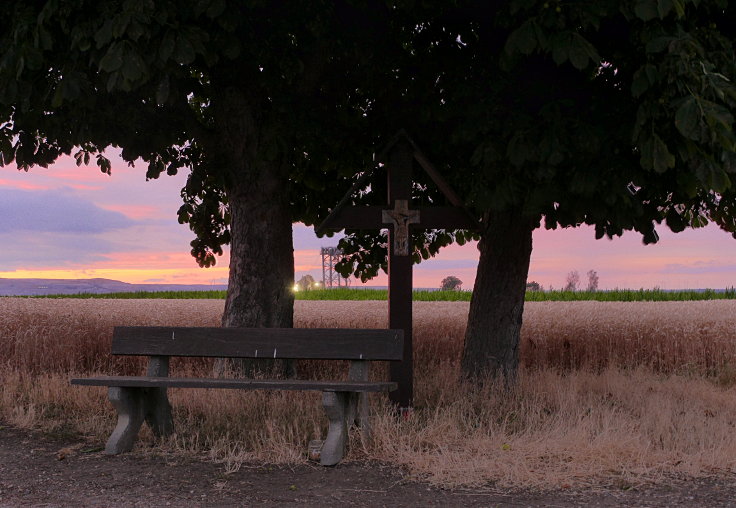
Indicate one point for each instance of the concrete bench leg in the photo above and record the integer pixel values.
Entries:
(134, 406)
(336, 408)
(358, 409)
(129, 404)
(158, 412)
(358, 412)
(155, 400)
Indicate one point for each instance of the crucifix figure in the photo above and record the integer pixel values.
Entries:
(399, 157)
(400, 217)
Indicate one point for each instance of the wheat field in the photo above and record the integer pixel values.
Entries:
(609, 392)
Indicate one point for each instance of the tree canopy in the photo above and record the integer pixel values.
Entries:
(153, 79)
(451, 283)
(614, 114)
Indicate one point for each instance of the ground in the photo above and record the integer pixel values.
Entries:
(41, 470)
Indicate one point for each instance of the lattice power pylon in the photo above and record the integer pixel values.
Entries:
(330, 278)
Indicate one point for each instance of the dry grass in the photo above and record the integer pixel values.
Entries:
(610, 392)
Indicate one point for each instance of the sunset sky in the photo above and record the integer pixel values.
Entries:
(75, 222)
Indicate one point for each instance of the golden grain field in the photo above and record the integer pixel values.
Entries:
(609, 392)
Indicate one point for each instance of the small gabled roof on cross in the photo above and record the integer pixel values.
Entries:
(427, 166)
(369, 217)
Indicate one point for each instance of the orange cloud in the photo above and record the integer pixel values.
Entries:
(131, 275)
(13, 184)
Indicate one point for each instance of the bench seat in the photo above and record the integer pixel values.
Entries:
(243, 384)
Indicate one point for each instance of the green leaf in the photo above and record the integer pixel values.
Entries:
(135, 31)
(652, 73)
(556, 158)
(120, 25)
(655, 155)
(231, 47)
(639, 83)
(578, 57)
(162, 91)
(687, 119)
(559, 53)
(518, 150)
(650, 237)
(216, 8)
(646, 76)
(679, 8)
(675, 221)
(664, 7)
(34, 58)
(104, 164)
(167, 46)
(646, 10)
(112, 81)
(720, 182)
(45, 42)
(133, 66)
(517, 5)
(581, 51)
(662, 159)
(113, 59)
(659, 44)
(717, 115)
(184, 51)
(104, 34)
(522, 40)
(560, 49)
(689, 183)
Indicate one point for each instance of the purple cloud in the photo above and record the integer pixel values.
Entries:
(59, 211)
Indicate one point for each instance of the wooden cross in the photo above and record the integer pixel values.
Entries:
(400, 218)
(399, 156)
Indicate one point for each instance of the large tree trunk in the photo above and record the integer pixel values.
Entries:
(496, 308)
(261, 276)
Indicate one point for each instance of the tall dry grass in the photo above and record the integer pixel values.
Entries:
(609, 391)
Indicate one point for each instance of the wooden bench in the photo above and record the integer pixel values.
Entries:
(144, 398)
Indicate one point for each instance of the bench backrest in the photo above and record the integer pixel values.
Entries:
(304, 343)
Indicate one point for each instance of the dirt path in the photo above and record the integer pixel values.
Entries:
(36, 470)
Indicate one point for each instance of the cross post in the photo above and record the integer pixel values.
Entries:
(399, 157)
(400, 284)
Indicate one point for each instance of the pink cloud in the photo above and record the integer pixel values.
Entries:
(13, 184)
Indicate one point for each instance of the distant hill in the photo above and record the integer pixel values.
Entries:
(34, 287)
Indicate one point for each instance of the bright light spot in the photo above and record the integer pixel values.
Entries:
(295, 288)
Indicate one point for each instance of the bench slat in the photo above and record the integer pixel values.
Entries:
(249, 384)
(302, 343)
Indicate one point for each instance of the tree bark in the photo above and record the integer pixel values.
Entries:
(261, 275)
(497, 305)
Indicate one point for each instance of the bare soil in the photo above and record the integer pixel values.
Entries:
(49, 471)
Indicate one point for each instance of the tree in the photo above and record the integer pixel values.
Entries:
(306, 283)
(533, 286)
(451, 283)
(572, 281)
(615, 114)
(245, 95)
(592, 281)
